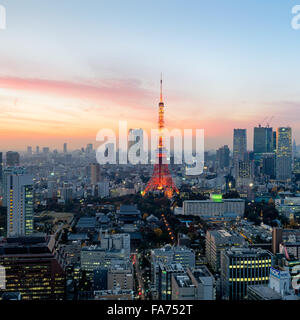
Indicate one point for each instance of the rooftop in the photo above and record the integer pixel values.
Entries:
(184, 281)
(265, 292)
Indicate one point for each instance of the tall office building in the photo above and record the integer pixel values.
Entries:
(32, 269)
(241, 267)
(245, 173)
(239, 149)
(263, 140)
(19, 202)
(223, 157)
(268, 165)
(37, 150)
(12, 159)
(284, 155)
(239, 144)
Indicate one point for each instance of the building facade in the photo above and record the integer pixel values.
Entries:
(241, 267)
(19, 202)
(284, 155)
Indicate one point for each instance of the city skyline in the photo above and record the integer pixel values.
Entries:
(223, 69)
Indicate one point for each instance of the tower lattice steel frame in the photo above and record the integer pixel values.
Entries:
(161, 179)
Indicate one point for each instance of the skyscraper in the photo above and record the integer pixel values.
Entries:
(239, 144)
(223, 157)
(32, 268)
(19, 202)
(268, 165)
(284, 154)
(263, 140)
(12, 159)
(239, 149)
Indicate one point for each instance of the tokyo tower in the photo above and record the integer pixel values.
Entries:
(161, 179)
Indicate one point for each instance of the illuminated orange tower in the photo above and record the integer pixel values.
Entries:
(161, 179)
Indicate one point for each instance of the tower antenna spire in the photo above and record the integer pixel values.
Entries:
(161, 95)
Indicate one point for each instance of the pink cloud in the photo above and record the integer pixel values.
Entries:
(122, 92)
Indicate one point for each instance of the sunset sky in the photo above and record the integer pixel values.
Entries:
(69, 68)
